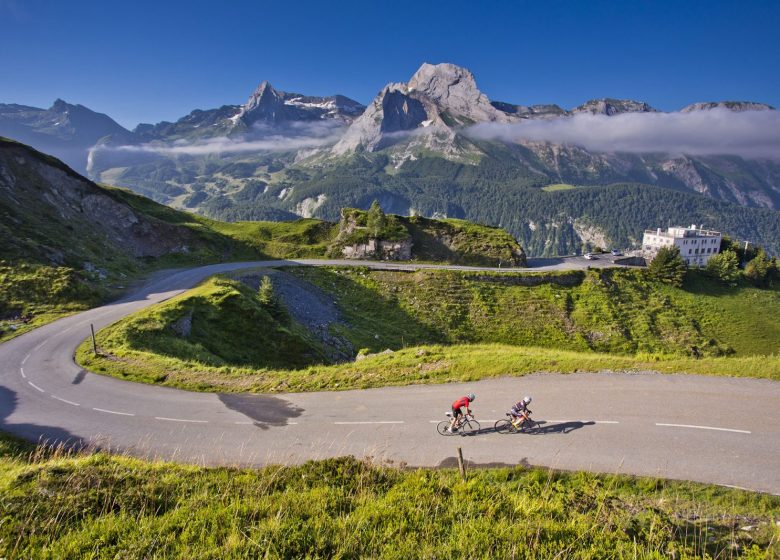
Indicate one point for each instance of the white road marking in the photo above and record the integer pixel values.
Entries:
(113, 412)
(21, 370)
(703, 428)
(375, 422)
(736, 487)
(65, 400)
(27, 357)
(180, 420)
(245, 423)
(40, 345)
(34, 386)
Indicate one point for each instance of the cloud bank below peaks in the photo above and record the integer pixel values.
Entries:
(260, 138)
(749, 134)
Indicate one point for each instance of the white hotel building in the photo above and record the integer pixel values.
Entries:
(696, 245)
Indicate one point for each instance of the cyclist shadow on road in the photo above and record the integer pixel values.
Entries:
(543, 427)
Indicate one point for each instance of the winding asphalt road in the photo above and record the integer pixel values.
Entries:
(709, 429)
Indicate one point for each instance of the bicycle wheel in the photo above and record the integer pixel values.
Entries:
(505, 427)
(443, 428)
(529, 426)
(469, 427)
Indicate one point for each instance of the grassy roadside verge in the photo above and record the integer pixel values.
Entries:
(59, 505)
(424, 364)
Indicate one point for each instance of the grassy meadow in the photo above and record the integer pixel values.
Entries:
(59, 504)
(556, 187)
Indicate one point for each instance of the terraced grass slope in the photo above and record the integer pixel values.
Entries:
(439, 326)
(86, 505)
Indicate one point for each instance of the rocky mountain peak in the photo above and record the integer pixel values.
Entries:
(610, 107)
(436, 80)
(265, 88)
(730, 105)
(59, 106)
(275, 107)
(437, 100)
(264, 104)
(454, 89)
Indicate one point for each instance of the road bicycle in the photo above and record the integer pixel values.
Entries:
(465, 425)
(511, 425)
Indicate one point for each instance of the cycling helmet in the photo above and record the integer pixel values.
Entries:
(527, 400)
(471, 396)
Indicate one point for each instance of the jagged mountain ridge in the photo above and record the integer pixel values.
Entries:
(266, 106)
(70, 132)
(431, 112)
(391, 151)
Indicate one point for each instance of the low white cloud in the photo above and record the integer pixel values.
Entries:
(262, 138)
(750, 134)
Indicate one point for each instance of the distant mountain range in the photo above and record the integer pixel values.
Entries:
(63, 130)
(420, 147)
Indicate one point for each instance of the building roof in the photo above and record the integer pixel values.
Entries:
(679, 232)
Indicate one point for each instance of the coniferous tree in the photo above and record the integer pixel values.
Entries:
(265, 293)
(268, 299)
(668, 266)
(376, 221)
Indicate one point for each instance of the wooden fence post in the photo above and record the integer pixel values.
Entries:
(461, 464)
(94, 342)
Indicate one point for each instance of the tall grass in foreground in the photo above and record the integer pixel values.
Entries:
(57, 504)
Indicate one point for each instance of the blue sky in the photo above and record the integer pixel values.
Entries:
(146, 61)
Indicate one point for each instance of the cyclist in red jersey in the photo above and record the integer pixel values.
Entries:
(457, 406)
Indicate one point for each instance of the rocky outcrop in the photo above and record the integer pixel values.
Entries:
(356, 241)
(381, 250)
(426, 239)
(183, 326)
(591, 234)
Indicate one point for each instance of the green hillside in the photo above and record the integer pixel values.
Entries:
(69, 244)
(439, 326)
(500, 190)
